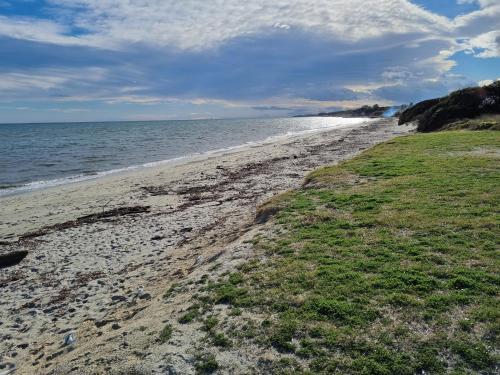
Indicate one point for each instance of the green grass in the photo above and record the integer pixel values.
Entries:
(487, 122)
(388, 265)
(166, 333)
(206, 364)
(220, 340)
(192, 313)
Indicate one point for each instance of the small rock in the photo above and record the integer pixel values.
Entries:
(69, 339)
(119, 298)
(157, 238)
(101, 323)
(115, 326)
(145, 295)
(7, 368)
(179, 272)
(142, 294)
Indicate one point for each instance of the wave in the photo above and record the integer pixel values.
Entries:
(85, 175)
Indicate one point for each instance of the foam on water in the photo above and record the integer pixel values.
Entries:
(254, 132)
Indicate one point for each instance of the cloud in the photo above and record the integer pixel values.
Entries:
(416, 91)
(48, 82)
(488, 44)
(39, 30)
(194, 24)
(281, 55)
(487, 82)
(273, 108)
(474, 24)
(290, 65)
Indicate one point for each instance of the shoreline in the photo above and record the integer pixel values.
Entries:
(84, 277)
(35, 186)
(98, 185)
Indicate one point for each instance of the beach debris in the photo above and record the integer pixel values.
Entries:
(215, 257)
(157, 238)
(88, 219)
(12, 258)
(69, 339)
(101, 323)
(7, 368)
(199, 260)
(118, 299)
(142, 294)
(140, 291)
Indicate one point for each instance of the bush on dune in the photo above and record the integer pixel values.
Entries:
(469, 103)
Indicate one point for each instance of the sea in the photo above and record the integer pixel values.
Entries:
(37, 156)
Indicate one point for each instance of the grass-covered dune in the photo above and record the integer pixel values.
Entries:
(469, 103)
(385, 264)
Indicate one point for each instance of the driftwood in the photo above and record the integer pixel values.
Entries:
(230, 177)
(12, 258)
(88, 219)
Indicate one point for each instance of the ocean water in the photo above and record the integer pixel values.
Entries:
(35, 156)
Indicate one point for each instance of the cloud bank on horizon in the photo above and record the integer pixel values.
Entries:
(90, 60)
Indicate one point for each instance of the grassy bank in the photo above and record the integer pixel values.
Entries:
(491, 122)
(385, 264)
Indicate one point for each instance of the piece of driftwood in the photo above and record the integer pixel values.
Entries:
(88, 219)
(12, 258)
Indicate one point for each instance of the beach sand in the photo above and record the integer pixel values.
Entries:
(155, 227)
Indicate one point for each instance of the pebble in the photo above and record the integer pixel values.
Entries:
(119, 298)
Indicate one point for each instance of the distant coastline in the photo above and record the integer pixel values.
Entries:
(374, 111)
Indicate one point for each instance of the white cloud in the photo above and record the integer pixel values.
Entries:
(44, 31)
(31, 29)
(68, 110)
(487, 82)
(483, 20)
(17, 83)
(22, 82)
(200, 24)
(487, 43)
(191, 50)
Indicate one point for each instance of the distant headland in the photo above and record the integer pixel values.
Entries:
(373, 111)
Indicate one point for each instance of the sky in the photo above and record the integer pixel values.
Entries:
(106, 60)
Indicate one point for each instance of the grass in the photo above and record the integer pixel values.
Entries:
(220, 340)
(487, 122)
(206, 364)
(192, 313)
(166, 333)
(388, 265)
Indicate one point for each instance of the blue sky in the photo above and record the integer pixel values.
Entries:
(93, 60)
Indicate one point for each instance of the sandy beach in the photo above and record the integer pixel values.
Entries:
(102, 253)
